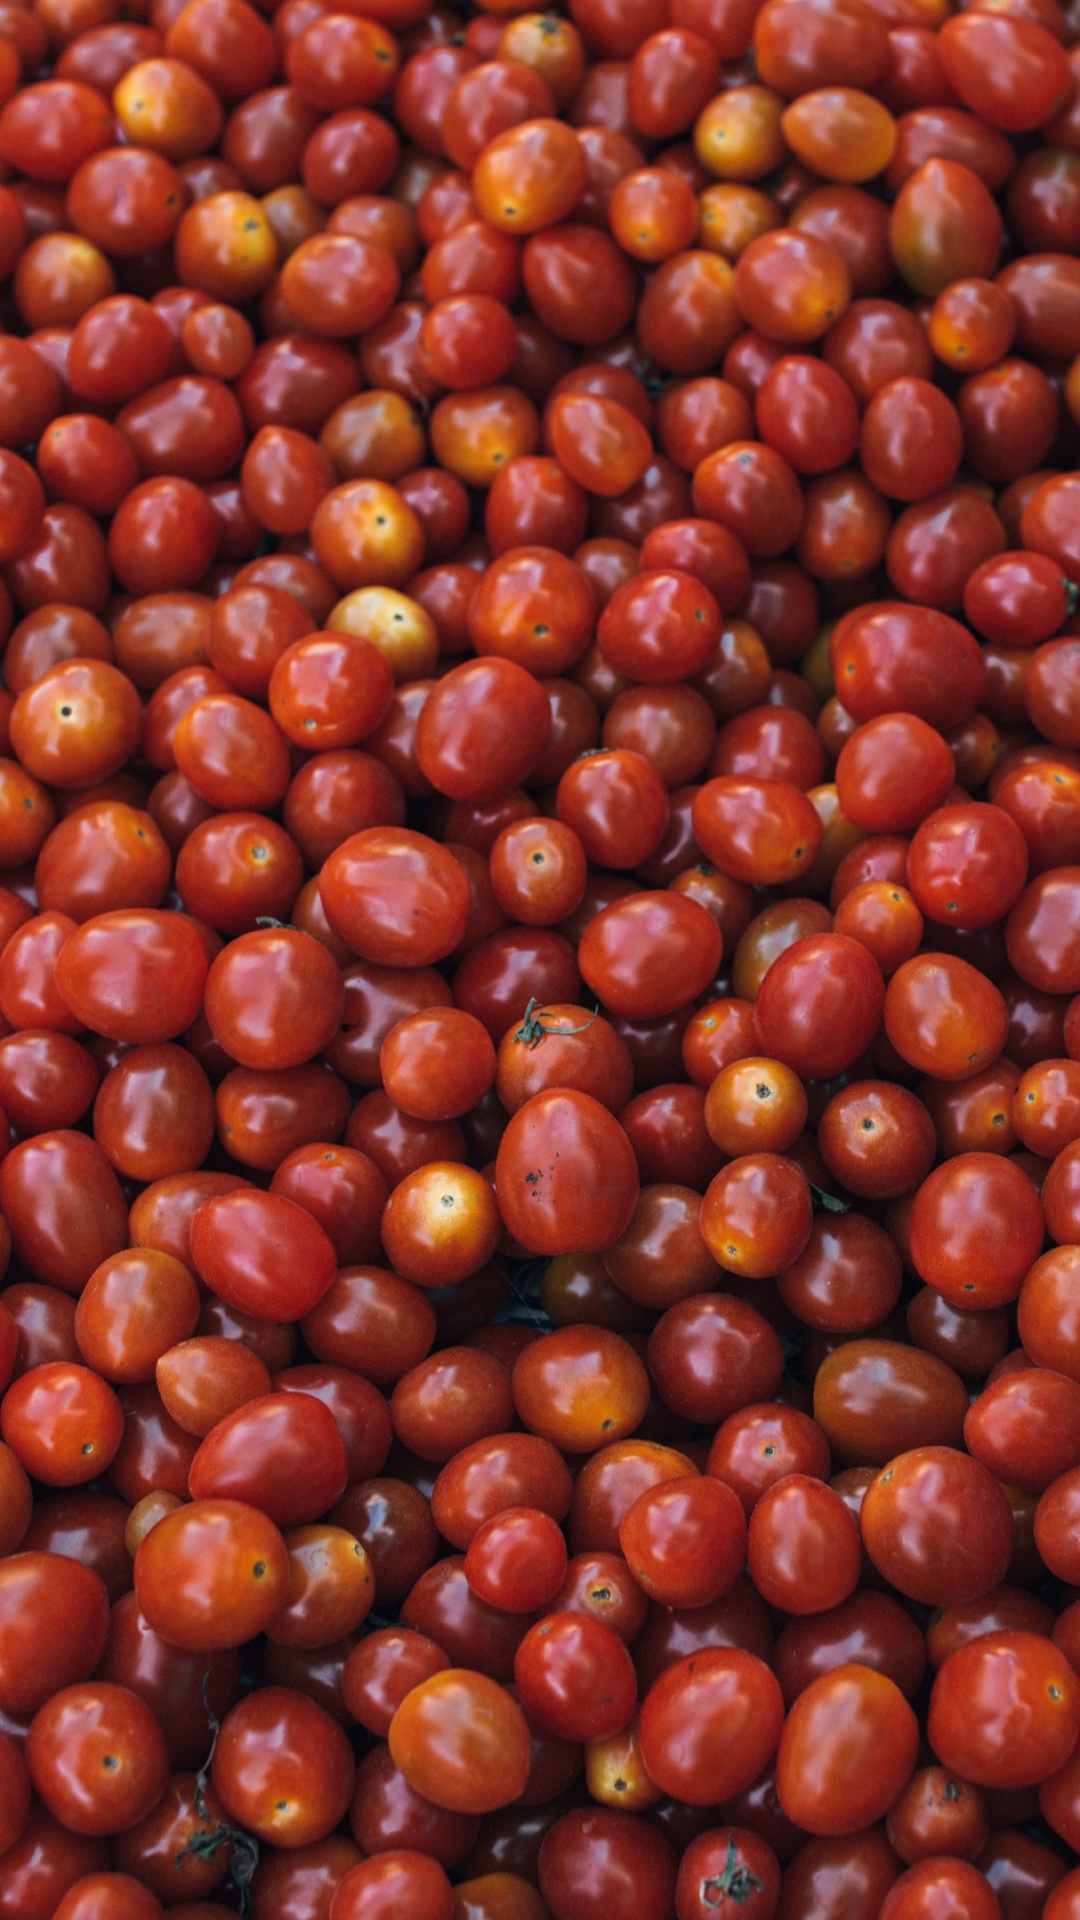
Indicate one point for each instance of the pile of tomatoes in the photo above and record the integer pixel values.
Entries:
(540, 960)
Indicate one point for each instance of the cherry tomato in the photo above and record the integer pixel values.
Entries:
(982, 1694)
(846, 1752)
(216, 1575)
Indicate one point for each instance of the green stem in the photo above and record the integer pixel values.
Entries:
(828, 1202)
(217, 1833)
(736, 1881)
(532, 1029)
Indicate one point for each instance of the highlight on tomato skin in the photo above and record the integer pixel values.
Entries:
(539, 960)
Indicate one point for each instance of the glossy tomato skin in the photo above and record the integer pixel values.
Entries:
(438, 1063)
(803, 1546)
(761, 1444)
(864, 1739)
(62, 1422)
(128, 862)
(507, 1470)
(274, 998)
(893, 658)
(63, 1204)
(451, 1399)
(869, 1630)
(379, 882)
(619, 954)
(417, 429)
(976, 1229)
(170, 1680)
(910, 1522)
(944, 1882)
(47, 1860)
(581, 1388)
(820, 1005)
(393, 1522)
(43, 1599)
(440, 1224)
(1044, 1312)
(562, 1149)
(77, 724)
(760, 831)
(1041, 932)
(610, 1483)
(595, 1863)
(574, 1049)
(462, 1741)
(97, 1757)
(663, 1235)
(710, 1353)
(90, 1525)
(399, 1882)
(263, 1116)
(935, 1810)
(727, 1857)
(343, 1190)
(148, 1850)
(383, 1669)
(1023, 1427)
(282, 1453)
(1003, 1868)
(617, 805)
(986, 1692)
(944, 1017)
(876, 1398)
(154, 1113)
(966, 868)
(135, 975)
(162, 1214)
(262, 1254)
(575, 1677)
(757, 1214)
(370, 1312)
(217, 1575)
(442, 1603)
(847, 1278)
(133, 1308)
(685, 1706)
(518, 1561)
(485, 723)
(284, 1767)
(849, 1875)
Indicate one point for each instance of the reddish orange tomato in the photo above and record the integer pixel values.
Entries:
(858, 1769)
(461, 1741)
(218, 1573)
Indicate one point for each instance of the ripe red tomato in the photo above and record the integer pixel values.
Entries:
(910, 1522)
(595, 1863)
(680, 1715)
(282, 1767)
(262, 1254)
(846, 1752)
(539, 1012)
(565, 1174)
(97, 1757)
(982, 1695)
(54, 1623)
